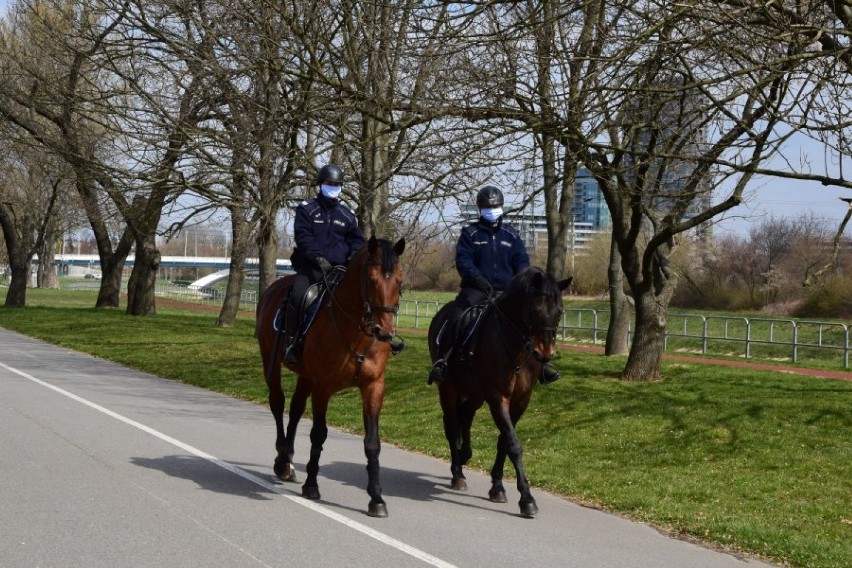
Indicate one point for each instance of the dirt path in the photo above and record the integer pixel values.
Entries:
(824, 373)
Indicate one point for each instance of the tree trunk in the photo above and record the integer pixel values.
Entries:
(47, 266)
(557, 228)
(652, 288)
(141, 288)
(112, 260)
(239, 252)
(618, 332)
(112, 269)
(16, 296)
(646, 352)
(267, 245)
(373, 198)
(19, 246)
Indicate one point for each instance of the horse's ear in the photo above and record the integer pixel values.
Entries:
(372, 244)
(399, 247)
(563, 284)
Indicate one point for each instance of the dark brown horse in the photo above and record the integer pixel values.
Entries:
(499, 365)
(347, 345)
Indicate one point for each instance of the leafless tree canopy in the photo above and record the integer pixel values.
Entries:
(162, 112)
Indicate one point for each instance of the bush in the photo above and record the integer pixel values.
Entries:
(832, 299)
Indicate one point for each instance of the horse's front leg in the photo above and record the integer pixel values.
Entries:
(272, 366)
(451, 410)
(319, 433)
(284, 461)
(372, 397)
(514, 449)
(497, 493)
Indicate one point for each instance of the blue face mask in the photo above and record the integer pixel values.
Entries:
(331, 191)
(491, 214)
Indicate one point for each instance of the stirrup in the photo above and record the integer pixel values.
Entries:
(290, 355)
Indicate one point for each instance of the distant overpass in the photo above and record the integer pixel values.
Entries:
(219, 262)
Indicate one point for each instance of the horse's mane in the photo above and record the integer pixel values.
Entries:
(389, 259)
(532, 280)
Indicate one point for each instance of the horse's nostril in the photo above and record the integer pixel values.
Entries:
(381, 335)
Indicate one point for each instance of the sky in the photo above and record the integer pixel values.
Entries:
(787, 199)
(792, 199)
(772, 197)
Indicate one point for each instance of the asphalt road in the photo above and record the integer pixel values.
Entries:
(105, 466)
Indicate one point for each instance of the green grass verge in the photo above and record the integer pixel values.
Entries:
(754, 461)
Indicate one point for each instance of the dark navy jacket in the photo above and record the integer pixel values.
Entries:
(325, 227)
(493, 250)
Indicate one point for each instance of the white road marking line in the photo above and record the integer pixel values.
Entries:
(317, 508)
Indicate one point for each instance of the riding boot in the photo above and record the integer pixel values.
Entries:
(439, 368)
(438, 371)
(291, 318)
(548, 374)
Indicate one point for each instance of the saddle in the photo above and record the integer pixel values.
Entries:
(463, 333)
(309, 305)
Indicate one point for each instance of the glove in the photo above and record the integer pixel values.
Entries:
(483, 284)
(323, 264)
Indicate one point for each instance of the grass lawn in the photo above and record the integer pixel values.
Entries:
(754, 461)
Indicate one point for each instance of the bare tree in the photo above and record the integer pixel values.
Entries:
(384, 73)
(686, 108)
(53, 95)
(28, 206)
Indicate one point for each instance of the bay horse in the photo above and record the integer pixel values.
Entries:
(498, 365)
(347, 346)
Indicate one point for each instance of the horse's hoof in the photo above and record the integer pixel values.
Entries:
(498, 496)
(528, 510)
(459, 484)
(379, 510)
(310, 492)
(285, 472)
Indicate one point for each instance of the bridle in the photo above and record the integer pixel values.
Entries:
(527, 331)
(368, 316)
(367, 324)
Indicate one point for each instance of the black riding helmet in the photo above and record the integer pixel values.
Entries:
(330, 173)
(489, 197)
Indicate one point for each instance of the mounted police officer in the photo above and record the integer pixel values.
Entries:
(327, 235)
(488, 254)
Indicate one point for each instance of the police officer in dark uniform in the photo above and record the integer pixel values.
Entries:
(327, 235)
(488, 254)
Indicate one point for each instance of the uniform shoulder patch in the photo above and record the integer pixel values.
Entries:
(511, 230)
(470, 230)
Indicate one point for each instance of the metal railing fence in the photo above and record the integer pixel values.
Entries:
(736, 336)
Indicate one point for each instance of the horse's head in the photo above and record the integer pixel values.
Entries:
(382, 280)
(538, 296)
